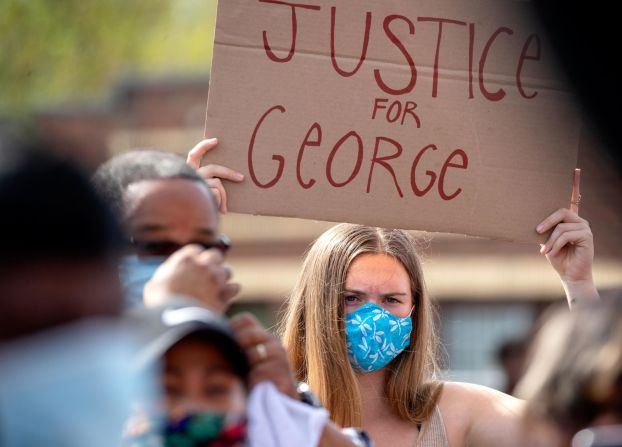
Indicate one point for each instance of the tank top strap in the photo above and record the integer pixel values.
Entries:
(432, 433)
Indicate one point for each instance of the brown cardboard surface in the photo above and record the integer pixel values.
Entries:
(513, 156)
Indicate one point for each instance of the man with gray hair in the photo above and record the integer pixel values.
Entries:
(168, 212)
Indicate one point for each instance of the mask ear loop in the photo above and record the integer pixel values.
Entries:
(410, 314)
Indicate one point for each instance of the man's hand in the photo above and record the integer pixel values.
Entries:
(265, 353)
(194, 272)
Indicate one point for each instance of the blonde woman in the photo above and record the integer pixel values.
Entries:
(359, 329)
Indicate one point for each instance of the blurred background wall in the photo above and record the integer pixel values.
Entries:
(96, 78)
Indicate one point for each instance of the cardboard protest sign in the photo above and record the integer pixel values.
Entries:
(430, 115)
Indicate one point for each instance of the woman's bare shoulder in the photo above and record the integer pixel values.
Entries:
(466, 395)
(479, 414)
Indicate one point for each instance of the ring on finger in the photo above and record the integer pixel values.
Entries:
(262, 352)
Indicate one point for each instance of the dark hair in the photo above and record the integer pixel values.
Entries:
(50, 210)
(226, 345)
(159, 328)
(114, 176)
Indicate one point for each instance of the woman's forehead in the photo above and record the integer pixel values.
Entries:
(370, 272)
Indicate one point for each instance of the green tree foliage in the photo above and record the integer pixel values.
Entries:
(58, 50)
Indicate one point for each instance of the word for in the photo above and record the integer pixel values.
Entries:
(396, 111)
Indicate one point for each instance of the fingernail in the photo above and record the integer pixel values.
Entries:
(239, 176)
(539, 228)
(542, 247)
(212, 140)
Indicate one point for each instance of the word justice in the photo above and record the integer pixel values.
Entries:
(396, 23)
(420, 183)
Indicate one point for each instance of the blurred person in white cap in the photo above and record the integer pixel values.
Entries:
(216, 393)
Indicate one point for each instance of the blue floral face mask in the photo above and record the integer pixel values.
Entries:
(375, 336)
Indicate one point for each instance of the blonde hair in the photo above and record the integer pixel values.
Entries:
(314, 335)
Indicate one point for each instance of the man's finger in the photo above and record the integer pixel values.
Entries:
(217, 276)
(228, 271)
(242, 320)
(251, 336)
(185, 252)
(196, 153)
(275, 372)
(229, 292)
(257, 354)
(259, 373)
(211, 256)
(575, 198)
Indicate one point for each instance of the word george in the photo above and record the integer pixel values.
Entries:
(457, 160)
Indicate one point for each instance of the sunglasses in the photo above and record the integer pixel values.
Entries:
(167, 248)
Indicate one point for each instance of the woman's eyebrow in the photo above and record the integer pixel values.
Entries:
(356, 292)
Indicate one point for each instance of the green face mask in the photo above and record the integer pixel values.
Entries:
(203, 429)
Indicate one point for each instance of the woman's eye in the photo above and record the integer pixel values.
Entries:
(350, 298)
(392, 300)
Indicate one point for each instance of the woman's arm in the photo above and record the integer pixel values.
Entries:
(333, 437)
(570, 250)
(477, 416)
